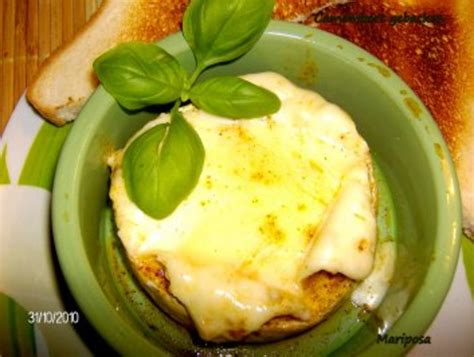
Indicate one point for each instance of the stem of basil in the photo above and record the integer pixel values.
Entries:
(176, 106)
(197, 71)
(190, 81)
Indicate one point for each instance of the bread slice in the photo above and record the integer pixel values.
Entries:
(324, 292)
(436, 59)
(462, 139)
(66, 79)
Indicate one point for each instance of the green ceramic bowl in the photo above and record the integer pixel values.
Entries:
(405, 142)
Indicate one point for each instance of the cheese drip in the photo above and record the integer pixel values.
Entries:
(280, 198)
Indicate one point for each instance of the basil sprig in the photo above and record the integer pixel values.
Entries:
(234, 98)
(222, 30)
(138, 75)
(163, 165)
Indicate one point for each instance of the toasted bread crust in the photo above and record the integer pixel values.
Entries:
(66, 79)
(437, 62)
(49, 72)
(152, 276)
(323, 293)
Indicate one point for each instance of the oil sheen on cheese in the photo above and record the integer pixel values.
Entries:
(280, 198)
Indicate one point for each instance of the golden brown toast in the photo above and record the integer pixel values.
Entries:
(436, 59)
(66, 79)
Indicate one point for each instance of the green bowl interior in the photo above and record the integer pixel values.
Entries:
(403, 138)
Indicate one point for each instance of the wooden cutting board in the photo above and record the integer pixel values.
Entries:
(30, 31)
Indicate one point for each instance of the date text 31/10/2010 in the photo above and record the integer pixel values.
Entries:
(53, 317)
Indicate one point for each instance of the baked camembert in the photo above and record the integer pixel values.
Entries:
(279, 226)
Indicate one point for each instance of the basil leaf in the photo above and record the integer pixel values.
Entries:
(137, 74)
(234, 97)
(139, 167)
(222, 30)
(162, 166)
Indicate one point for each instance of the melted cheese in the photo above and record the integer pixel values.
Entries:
(279, 198)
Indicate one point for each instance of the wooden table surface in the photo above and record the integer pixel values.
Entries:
(31, 30)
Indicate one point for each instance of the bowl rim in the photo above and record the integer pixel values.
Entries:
(118, 333)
